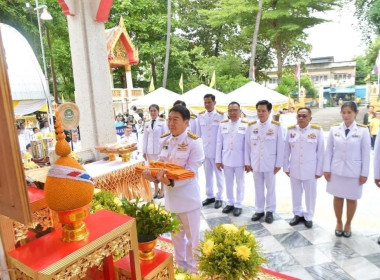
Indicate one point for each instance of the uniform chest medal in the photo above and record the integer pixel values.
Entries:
(166, 145)
(356, 135)
(256, 131)
(182, 147)
(312, 136)
(270, 132)
(292, 135)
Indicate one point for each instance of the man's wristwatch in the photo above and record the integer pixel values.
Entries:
(171, 183)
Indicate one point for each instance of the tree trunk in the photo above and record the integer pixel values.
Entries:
(52, 70)
(168, 33)
(254, 41)
(279, 60)
(154, 74)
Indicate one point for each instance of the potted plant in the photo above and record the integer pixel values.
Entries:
(229, 252)
(151, 221)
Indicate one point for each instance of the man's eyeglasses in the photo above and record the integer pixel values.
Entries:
(302, 116)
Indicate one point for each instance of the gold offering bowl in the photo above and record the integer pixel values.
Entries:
(74, 229)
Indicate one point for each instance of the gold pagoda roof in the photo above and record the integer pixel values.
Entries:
(120, 49)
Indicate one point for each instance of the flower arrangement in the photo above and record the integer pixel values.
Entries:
(151, 220)
(106, 200)
(229, 252)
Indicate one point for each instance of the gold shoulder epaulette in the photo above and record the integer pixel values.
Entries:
(225, 120)
(276, 122)
(219, 112)
(193, 117)
(252, 122)
(204, 111)
(361, 125)
(162, 119)
(192, 135)
(165, 135)
(316, 126)
(244, 121)
(292, 126)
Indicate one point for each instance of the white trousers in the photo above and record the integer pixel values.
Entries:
(187, 240)
(310, 187)
(209, 166)
(237, 173)
(269, 180)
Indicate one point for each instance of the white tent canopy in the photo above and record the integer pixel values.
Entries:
(251, 93)
(161, 96)
(26, 80)
(194, 97)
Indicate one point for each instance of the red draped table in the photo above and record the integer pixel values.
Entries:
(50, 258)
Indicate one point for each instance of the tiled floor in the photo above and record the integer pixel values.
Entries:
(306, 253)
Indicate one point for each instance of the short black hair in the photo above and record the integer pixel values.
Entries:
(34, 129)
(185, 113)
(28, 146)
(154, 106)
(179, 102)
(234, 103)
(266, 103)
(304, 108)
(209, 95)
(350, 104)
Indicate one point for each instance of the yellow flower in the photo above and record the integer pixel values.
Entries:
(117, 201)
(151, 206)
(39, 135)
(230, 228)
(96, 190)
(243, 252)
(208, 247)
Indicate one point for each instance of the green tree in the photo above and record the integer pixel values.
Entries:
(368, 13)
(289, 85)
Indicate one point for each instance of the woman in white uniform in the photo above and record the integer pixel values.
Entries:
(153, 130)
(346, 165)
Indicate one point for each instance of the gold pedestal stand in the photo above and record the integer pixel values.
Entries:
(74, 229)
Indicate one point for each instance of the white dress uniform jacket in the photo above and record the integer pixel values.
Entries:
(264, 146)
(376, 159)
(304, 149)
(207, 129)
(230, 143)
(152, 136)
(185, 150)
(349, 155)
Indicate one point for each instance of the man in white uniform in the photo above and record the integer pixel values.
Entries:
(193, 118)
(264, 155)
(207, 127)
(303, 163)
(230, 157)
(182, 197)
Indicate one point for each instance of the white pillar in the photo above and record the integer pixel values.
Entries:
(321, 98)
(128, 76)
(91, 78)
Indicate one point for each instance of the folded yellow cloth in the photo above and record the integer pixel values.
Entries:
(173, 171)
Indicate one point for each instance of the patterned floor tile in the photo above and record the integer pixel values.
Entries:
(360, 268)
(337, 251)
(278, 227)
(309, 256)
(327, 271)
(258, 230)
(270, 244)
(279, 261)
(292, 240)
(317, 235)
(375, 259)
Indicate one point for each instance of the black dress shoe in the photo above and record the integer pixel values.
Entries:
(228, 209)
(155, 196)
(269, 217)
(218, 204)
(208, 201)
(237, 212)
(308, 224)
(338, 233)
(296, 220)
(378, 241)
(257, 216)
(347, 234)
